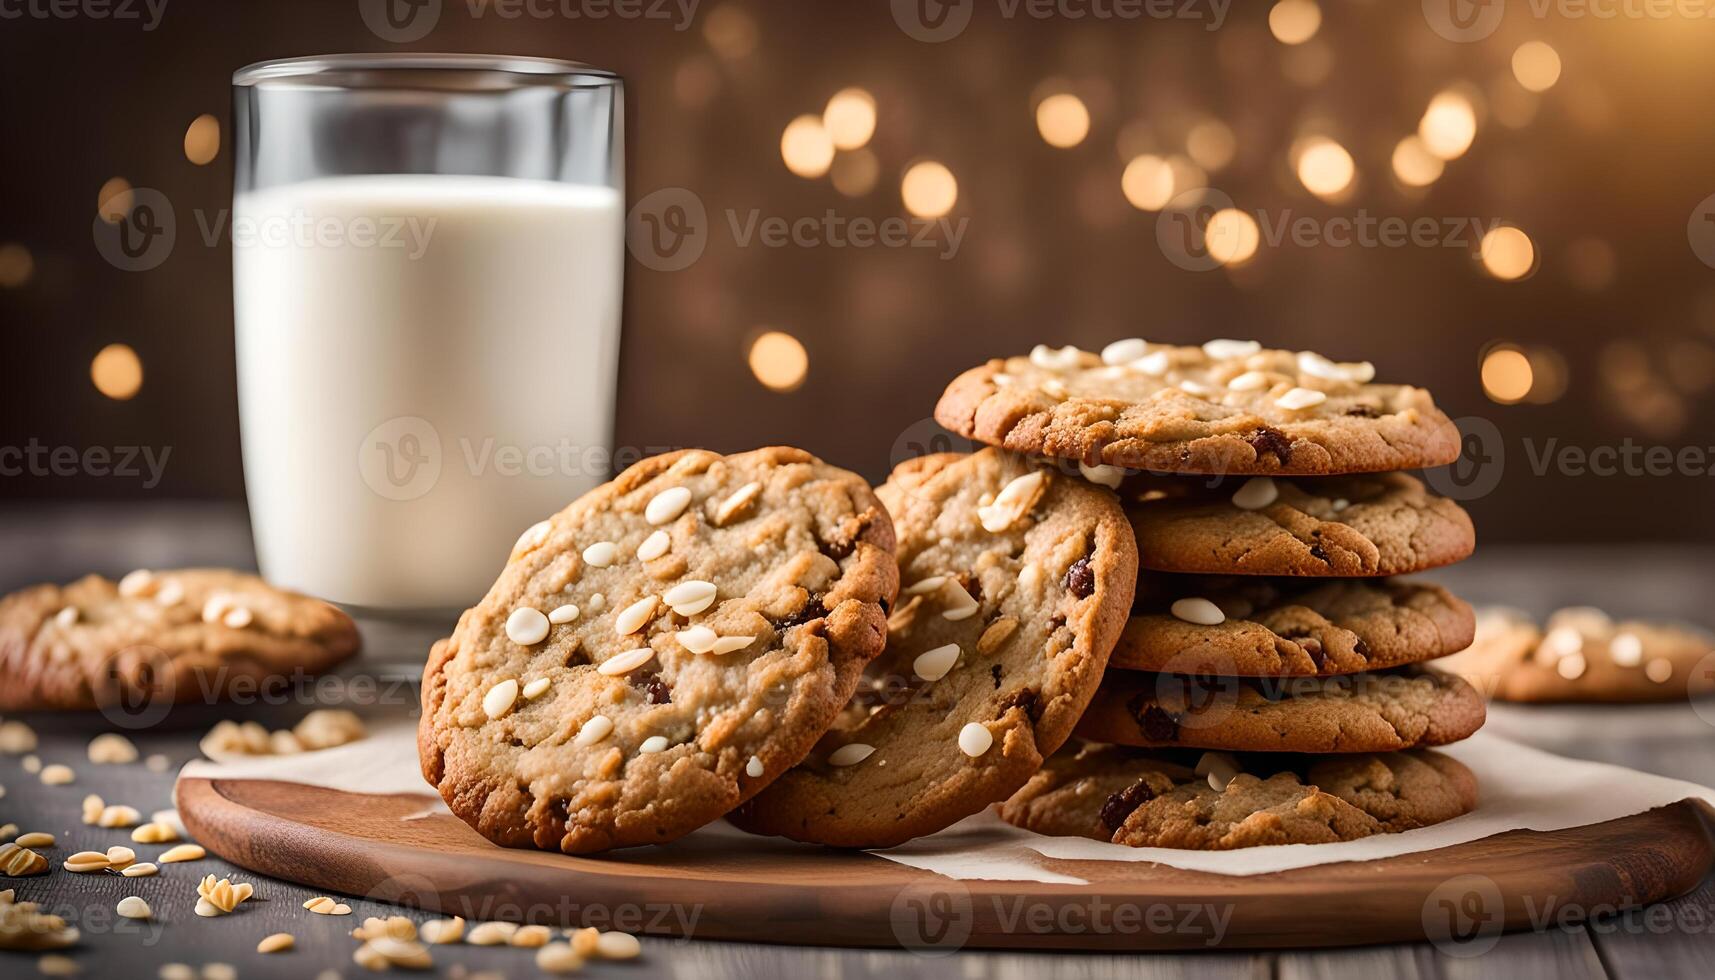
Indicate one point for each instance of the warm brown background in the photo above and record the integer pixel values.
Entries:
(1613, 164)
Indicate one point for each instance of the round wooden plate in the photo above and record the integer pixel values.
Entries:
(717, 886)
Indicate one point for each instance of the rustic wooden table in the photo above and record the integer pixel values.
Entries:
(58, 543)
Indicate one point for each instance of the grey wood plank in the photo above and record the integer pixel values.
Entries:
(1549, 954)
(1668, 939)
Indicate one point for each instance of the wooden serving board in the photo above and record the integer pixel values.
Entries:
(716, 887)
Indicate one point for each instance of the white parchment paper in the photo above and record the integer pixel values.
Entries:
(1519, 788)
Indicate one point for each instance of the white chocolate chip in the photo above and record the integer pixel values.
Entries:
(1257, 493)
(975, 739)
(601, 554)
(1124, 351)
(595, 603)
(735, 504)
(925, 586)
(1199, 389)
(960, 605)
(1219, 767)
(237, 618)
(1102, 473)
(499, 699)
(753, 768)
(215, 607)
(594, 730)
(1155, 365)
(1002, 380)
(66, 617)
(654, 546)
(690, 598)
(667, 505)
(1248, 381)
(111, 748)
(531, 539)
(635, 616)
(1659, 670)
(1053, 388)
(618, 946)
(535, 688)
(934, 665)
(138, 584)
(622, 663)
(1055, 359)
(1626, 649)
(1199, 611)
(653, 744)
(1221, 350)
(1340, 504)
(132, 907)
(562, 615)
(1571, 666)
(171, 593)
(731, 644)
(1317, 366)
(57, 775)
(697, 639)
(1562, 641)
(526, 626)
(1301, 398)
(850, 754)
(1013, 502)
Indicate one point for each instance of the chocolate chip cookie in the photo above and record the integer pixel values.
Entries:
(1380, 712)
(1016, 583)
(1227, 407)
(1218, 801)
(1382, 524)
(659, 650)
(160, 637)
(1267, 627)
(1581, 654)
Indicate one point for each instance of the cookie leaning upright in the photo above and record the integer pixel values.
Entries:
(1016, 585)
(659, 650)
(1226, 407)
(177, 636)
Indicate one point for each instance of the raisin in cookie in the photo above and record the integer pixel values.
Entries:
(1227, 407)
(658, 651)
(1382, 712)
(160, 637)
(1384, 524)
(1262, 627)
(1098, 790)
(1017, 581)
(1581, 654)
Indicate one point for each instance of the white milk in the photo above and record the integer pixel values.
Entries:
(425, 368)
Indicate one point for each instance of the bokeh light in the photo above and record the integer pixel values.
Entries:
(806, 148)
(1324, 167)
(117, 372)
(1448, 125)
(1063, 120)
(730, 31)
(1536, 66)
(1294, 21)
(1231, 236)
(17, 265)
(1507, 253)
(778, 360)
(929, 189)
(202, 139)
(1414, 165)
(854, 174)
(849, 118)
(1211, 143)
(1507, 374)
(113, 200)
(1147, 182)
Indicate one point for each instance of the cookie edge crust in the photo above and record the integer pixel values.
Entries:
(975, 407)
(872, 573)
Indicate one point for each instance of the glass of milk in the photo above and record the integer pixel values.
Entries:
(427, 261)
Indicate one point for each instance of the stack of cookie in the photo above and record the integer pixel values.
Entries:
(1268, 686)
